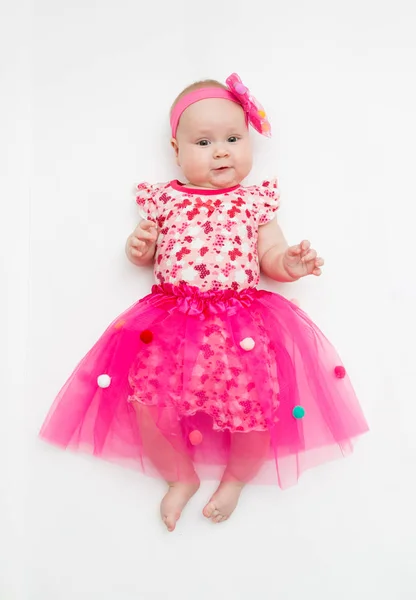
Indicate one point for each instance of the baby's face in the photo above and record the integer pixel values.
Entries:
(212, 144)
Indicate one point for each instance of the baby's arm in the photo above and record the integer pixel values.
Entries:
(141, 244)
(281, 262)
(272, 246)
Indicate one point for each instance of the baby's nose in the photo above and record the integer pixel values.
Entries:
(221, 151)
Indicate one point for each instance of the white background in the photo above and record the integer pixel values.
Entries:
(85, 89)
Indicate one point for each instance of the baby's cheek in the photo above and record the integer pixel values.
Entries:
(245, 162)
(197, 164)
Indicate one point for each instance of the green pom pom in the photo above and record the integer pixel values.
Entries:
(298, 412)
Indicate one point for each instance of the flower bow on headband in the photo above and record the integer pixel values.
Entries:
(237, 92)
(253, 109)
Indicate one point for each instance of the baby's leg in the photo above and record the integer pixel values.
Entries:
(173, 464)
(247, 454)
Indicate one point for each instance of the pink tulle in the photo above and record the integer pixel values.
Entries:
(185, 393)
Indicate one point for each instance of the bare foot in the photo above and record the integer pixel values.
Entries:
(175, 500)
(223, 502)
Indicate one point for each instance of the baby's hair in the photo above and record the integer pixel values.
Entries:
(196, 86)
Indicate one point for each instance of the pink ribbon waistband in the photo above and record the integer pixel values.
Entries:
(194, 302)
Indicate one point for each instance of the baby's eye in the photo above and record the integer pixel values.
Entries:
(232, 138)
(203, 142)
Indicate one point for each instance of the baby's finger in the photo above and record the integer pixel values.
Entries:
(305, 245)
(319, 262)
(311, 255)
(294, 250)
(137, 243)
(142, 234)
(135, 252)
(146, 225)
(317, 272)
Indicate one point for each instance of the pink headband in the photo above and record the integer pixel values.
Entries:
(237, 93)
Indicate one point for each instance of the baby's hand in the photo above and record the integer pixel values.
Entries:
(143, 238)
(301, 260)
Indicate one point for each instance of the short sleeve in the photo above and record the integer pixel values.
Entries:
(146, 200)
(269, 200)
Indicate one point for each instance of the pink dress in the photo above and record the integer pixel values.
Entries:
(208, 370)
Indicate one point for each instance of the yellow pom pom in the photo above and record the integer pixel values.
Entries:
(262, 114)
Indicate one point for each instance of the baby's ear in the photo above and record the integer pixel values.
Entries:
(175, 146)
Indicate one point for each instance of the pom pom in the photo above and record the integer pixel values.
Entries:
(195, 437)
(340, 372)
(247, 344)
(103, 380)
(298, 412)
(146, 336)
(119, 324)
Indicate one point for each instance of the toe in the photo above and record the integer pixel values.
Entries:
(218, 518)
(209, 510)
(215, 515)
(170, 525)
(170, 521)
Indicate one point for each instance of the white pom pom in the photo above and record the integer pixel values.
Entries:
(103, 381)
(247, 344)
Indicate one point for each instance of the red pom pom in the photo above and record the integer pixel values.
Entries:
(146, 336)
(340, 372)
(195, 437)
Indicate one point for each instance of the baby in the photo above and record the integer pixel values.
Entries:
(213, 148)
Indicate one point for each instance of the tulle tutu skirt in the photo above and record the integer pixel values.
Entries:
(239, 384)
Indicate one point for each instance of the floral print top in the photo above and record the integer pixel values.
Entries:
(208, 238)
